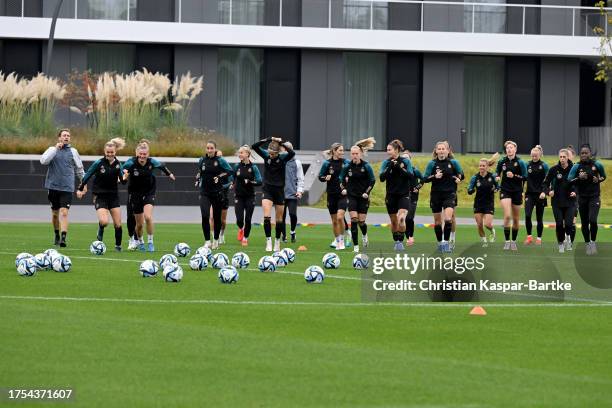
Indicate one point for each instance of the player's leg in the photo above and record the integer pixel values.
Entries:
(249, 205)
(506, 204)
(148, 217)
(205, 213)
(266, 205)
(292, 209)
(529, 205)
(278, 216)
(116, 216)
(102, 214)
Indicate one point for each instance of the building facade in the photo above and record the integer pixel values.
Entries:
(320, 71)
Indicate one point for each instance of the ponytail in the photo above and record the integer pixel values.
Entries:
(365, 144)
(117, 142)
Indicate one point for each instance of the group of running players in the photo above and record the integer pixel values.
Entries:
(573, 188)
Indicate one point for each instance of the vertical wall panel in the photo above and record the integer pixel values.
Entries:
(404, 103)
(522, 102)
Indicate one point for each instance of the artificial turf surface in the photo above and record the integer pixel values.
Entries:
(274, 340)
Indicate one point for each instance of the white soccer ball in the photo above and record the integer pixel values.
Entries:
(361, 261)
(290, 253)
(97, 248)
(148, 268)
(266, 264)
(51, 254)
(173, 273)
(42, 261)
(240, 260)
(21, 256)
(198, 262)
(26, 266)
(219, 260)
(280, 259)
(228, 274)
(61, 263)
(166, 260)
(331, 261)
(182, 249)
(206, 252)
(314, 274)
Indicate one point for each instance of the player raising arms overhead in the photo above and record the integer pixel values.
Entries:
(273, 185)
(106, 173)
(587, 175)
(213, 171)
(140, 172)
(64, 166)
(247, 176)
(510, 173)
(536, 172)
(444, 173)
(485, 186)
(397, 173)
(563, 193)
(356, 182)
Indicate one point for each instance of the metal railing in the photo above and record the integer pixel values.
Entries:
(374, 15)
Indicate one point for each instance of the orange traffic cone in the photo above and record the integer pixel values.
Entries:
(478, 311)
(302, 248)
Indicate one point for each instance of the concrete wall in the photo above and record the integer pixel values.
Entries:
(559, 102)
(442, 100)
(321, 99)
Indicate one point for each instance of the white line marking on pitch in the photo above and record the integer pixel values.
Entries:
(288, 303)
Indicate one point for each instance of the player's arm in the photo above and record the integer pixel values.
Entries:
(257, 146)
(48, 155)
(300, 177)
(601, 171)
(371, 178)
(288, 155)
(90, 172)
(572, 177)
(384, 169)
(258, 181)
(472, 186)
(342, 175)
(458, 169)
(323, 172)
(228, 170)
(159, 165)
(428, 176)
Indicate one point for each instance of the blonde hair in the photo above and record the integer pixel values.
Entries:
(274, 146)
(445, 143)
(246, 148)
(538, 149)
(329, 153)
(365, 144)
(143, 144)
(564, 150)
(116, 142)
(510, 142)
(491, 160)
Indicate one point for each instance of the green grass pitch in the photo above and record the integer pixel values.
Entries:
(272, 340)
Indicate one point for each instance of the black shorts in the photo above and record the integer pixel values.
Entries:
(532, 200)
(274, 193)
(106, 200)
(515, 196)
(138, 201)
(336, 202)
(59, 199)
(484, 210)
(395, 202)
(358, 204)
(438, 200)
(224, 199)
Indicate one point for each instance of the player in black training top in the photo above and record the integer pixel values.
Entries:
(140, 173)
(227, 183)
(417, 183)
(485, 186)
(106, 173)
(213, 172)
(246, 178)
(587, 175)
(444, 173)
(397, 174)
(511, 172)
(563, 198)
(336, 202)
(273, 185)
(536, 172)
(356, 182)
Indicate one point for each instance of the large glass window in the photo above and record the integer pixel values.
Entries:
(360, 14)
(365, 96)
(483, 91)
(120, 58)
(249, 12)
(107, 9)
(486, 19)
(239, 77)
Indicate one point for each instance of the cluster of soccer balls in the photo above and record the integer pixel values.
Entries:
(28, 264)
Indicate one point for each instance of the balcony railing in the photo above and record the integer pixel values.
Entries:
(404, 15)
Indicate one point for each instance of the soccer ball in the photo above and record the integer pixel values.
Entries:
(331, 261)
(280, 259)
(61, 263)
(148, 268)
(206, 252)
(173, 273)
(314, 274)
(240, 260)
(182, 249)
(42, 261)
(21, 256)
(361, 261)
(267, 264)
(219, 260)
(51, 253)
(290, 253)
(26, 266)
(198, 262)
(228, 274)
(166, 260)
(97, 248)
